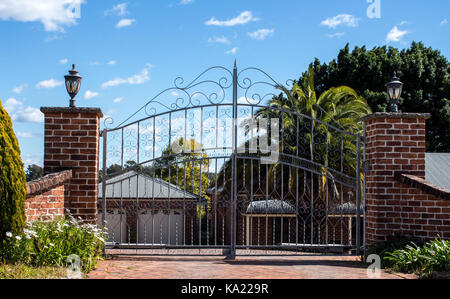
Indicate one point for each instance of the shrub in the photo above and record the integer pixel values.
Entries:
(13, 185)
(432, 257)
(51, 243)
(382, 248)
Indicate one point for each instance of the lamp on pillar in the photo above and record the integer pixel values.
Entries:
(73, 84)
(394, 89)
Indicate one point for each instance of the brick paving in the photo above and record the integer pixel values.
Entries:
(244, 267)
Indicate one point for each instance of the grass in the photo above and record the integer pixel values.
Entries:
(22, 271)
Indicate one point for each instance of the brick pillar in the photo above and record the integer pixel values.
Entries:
(71, 143)
(395, 143)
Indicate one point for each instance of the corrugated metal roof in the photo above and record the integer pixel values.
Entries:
(437, 169)
(270, 207)
(347, 208)
(125, 186)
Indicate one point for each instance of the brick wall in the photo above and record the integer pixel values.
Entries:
(395, 145)
(71, 143)
(45, 197)
(423, 209)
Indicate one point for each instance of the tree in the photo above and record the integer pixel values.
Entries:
(304, 133)
(34, 172)
(185, 165)
(13, 185)
(424, 71)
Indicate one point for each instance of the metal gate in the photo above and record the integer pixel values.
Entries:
(217, 164)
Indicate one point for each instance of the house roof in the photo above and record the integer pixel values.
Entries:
(347, 208)
(131, 183)
(437, 169)
(272, 206)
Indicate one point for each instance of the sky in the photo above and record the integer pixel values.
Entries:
(128, 51)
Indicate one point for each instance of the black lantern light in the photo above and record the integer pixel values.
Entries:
(394, 89)
(73, 84)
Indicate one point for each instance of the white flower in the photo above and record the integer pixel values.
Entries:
(18, 238)
(51, 244)
(9, 235)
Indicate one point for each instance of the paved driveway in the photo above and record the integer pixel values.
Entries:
(252, 267)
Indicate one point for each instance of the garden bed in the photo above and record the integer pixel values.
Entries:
(49, 249)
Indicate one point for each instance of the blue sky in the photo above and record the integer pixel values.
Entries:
(128, 51)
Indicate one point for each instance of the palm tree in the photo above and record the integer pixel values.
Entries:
(322, 119)
(316, 129)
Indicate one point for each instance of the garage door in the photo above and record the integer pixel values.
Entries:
(113, 226)
(155, 229)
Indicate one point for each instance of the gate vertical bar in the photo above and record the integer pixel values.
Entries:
(365, 169)
(104, 136)
(232, 254)
(358, 194)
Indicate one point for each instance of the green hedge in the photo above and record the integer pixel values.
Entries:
(13, 184)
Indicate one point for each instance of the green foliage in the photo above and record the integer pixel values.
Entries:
(382, 248)
(12, 179)
(186, 167)
(424, 71)
(339, 106)
(51, 243)
(433, 256)
(34, 172)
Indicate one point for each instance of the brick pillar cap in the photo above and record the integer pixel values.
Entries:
(97, 111)
(396, 115)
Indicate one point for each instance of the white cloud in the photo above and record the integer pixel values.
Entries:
(90, 94)
(220, 40)
(25, 135)
(337, 34)
(51, 83)
(395, 35)
(119, 10)
(118, 100)
(184, 2)
(125, 23)
(232, 51)
(30, 159)
(444, 22)
(94, 63)
(261, 34)
(53, 14)
(243, 18)
(140, 78)
(20, 113)
(63, 61)
(19, 89)
(112, 62)
(12, 105)
(343, 19)
(244, 100)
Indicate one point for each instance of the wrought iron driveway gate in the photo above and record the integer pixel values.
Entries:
(212, 165)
